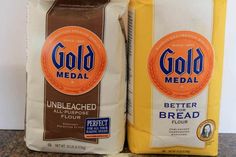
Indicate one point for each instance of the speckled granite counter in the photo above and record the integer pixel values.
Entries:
(12, 145)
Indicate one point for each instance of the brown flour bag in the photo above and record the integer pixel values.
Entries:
(76, 70)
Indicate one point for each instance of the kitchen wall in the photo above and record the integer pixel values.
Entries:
(228, 107)
(12, 63)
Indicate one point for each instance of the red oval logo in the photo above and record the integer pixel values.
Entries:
(73, 60)
(181, 64)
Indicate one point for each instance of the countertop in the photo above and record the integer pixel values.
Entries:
(12, 145)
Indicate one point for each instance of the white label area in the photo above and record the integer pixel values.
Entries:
(171, 16)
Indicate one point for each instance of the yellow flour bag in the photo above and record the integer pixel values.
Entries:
(176, 52)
